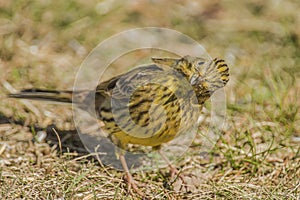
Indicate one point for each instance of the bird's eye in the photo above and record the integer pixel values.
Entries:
(201, 63)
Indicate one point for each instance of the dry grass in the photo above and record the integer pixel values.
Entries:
(42, 44)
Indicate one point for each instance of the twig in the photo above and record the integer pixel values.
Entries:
(100, 162)
(84, 156)
(58, 138)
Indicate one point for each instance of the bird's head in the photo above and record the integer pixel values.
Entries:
(205, 76)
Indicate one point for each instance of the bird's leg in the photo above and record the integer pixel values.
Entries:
(130, 180)
(173, 170)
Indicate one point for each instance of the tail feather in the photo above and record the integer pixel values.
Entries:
(45, 95)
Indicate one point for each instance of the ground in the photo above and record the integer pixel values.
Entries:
(43, 43)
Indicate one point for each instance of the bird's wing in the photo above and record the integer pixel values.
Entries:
(122, 86)
(129, 97)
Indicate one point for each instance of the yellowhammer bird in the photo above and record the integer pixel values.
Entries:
(148, 105)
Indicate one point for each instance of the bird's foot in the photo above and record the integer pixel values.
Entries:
(175, 173)
(181, 181)
(132, 185)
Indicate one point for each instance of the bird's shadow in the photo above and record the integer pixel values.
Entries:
(71, 141)
(87, 144)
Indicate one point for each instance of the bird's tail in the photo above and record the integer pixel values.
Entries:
(45, 95)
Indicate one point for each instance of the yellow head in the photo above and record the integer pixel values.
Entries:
(205, 76)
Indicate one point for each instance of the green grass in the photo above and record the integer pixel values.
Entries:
(258, 155)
